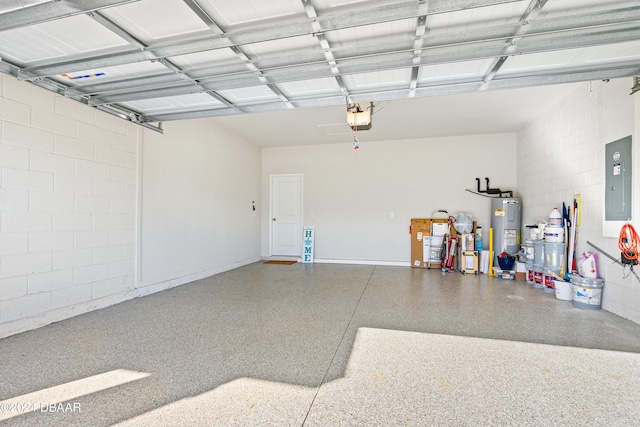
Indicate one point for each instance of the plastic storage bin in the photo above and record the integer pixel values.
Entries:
(505, 274)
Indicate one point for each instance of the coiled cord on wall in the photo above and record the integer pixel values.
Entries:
(628, 242)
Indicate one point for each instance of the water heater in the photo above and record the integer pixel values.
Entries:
(506, 221)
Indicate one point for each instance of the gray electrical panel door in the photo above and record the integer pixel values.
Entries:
(617, 200)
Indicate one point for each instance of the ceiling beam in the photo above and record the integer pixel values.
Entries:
(434, 90)
(179, 75)
(276, 31)
(204, 16)
(532, 12)
(213, 26)
(116, 29)
(561, 28)
(60, 89)
(52, 10)
(237, 50)
(421, 30)
(9, 5)
(387, 61)
(318, 33)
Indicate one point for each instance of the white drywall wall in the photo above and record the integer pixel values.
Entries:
(349, 196)
(198, 185)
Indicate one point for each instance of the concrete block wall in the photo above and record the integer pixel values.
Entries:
(68, 198)
(562, 154)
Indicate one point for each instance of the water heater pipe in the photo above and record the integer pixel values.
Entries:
(491, 272)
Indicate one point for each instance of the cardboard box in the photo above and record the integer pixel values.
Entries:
(420, 228)
(467, 242)
(469, 261)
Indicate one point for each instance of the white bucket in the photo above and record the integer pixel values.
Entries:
(554, 234)
(586, 293)
(563, 290)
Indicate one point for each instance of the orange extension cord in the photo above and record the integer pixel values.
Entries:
(628, 242)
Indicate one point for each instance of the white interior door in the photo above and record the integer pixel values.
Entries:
(286, 215)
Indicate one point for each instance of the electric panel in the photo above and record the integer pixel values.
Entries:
(617, 200)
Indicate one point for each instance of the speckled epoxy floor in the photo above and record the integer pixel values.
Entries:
(328, 344)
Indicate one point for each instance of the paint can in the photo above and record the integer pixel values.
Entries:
(549, 280)
(553, 255)
(563, 290)
(529, 267)
(538, 277)
(586, 293)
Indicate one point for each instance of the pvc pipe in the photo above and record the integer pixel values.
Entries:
(572, 241)
(491, 272)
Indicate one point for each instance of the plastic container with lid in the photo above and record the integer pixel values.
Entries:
(555, 218)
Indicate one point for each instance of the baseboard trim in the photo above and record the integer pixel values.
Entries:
(362, 262)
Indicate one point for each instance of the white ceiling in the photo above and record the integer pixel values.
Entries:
(431, 67)
(503, 111)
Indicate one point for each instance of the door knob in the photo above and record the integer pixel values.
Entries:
(273, 219)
